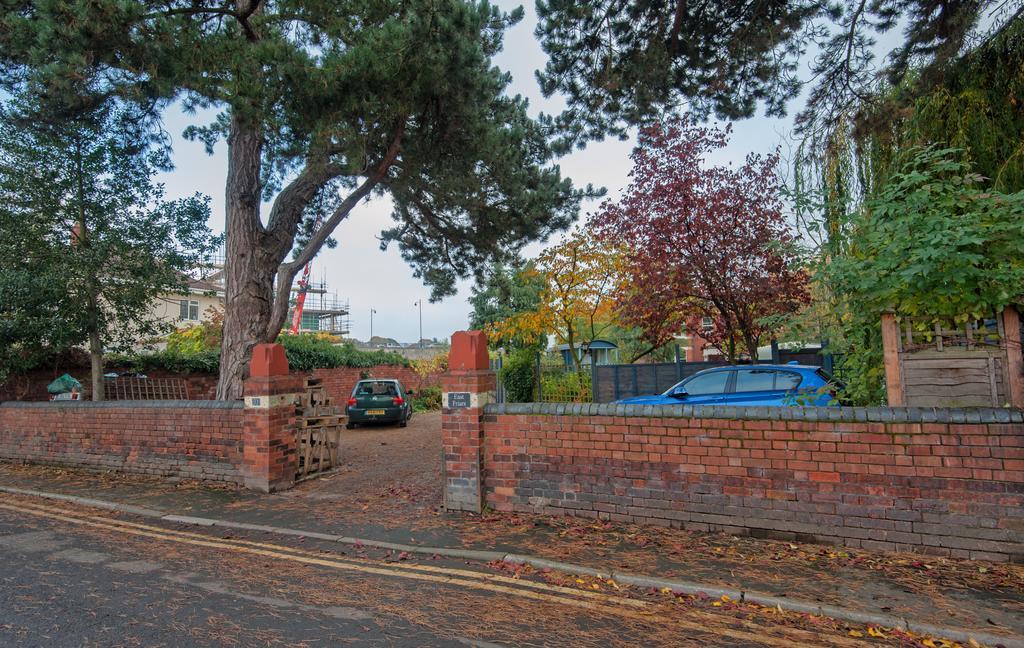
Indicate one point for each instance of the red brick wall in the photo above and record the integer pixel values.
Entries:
(165, 438)
(31, 386)
(462, 438)
(947, 488)
(339, 381)
(270, 454)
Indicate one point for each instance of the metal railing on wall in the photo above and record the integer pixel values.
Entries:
(496, 364)
(557, 382)
(145, 389)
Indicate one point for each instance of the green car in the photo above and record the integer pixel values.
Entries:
(381, 400)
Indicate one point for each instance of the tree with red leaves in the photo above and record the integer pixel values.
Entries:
(702, 241)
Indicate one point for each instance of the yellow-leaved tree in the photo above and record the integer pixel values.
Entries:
(579, 277)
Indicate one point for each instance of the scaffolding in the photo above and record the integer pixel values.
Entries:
(323, 311)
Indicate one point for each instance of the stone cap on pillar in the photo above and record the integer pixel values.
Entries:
(468, 352)
(268, 360)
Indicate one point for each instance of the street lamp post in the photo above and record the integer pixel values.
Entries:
(419, 302)
(370, 341)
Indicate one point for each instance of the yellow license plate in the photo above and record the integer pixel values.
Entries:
(375, 412)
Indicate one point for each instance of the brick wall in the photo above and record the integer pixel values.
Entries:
(197, 440)
(339, 381)
(31, 386)
(945, 482)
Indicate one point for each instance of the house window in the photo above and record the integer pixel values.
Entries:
(188, 310)
(707, 323)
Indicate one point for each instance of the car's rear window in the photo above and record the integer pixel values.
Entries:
(752, 380)
(380, 388)
(787, 380)
(755, 380)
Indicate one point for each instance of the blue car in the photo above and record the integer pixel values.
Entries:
(773, 385)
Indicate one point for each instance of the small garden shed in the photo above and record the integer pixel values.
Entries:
(600, 352)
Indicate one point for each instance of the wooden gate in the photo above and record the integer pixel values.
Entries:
(318, 427)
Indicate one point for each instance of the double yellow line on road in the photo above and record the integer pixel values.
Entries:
(712, 624)
(443, 575)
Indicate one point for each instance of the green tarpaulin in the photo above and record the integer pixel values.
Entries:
(63, 385)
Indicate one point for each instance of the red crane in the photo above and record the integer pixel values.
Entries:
(300, 299)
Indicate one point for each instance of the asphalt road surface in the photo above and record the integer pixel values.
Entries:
(75, 576)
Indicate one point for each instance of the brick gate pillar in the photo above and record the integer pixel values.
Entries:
(467, 387)
(269, 452)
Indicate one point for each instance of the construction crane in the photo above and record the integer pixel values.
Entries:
(300, 299)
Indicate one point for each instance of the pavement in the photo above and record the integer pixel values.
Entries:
(388, 491)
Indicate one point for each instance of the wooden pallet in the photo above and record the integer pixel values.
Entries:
(318, 430)
(319, 421)
(314, 398)
(318, 451)
(314, 412)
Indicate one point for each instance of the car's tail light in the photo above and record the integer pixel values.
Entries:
(399, 400)
(351, 402)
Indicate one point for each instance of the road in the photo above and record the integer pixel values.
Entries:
(75, 576)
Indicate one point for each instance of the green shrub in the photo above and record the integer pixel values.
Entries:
(427, 399)
(191, 340)
(308, 351)
(305, 352)
(205, 361)
(517, 375)
(565, 387)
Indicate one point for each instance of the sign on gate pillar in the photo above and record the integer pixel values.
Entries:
(269, 440)
(468, 386)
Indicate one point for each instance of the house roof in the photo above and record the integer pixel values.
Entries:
(593, 344)
(201, 285)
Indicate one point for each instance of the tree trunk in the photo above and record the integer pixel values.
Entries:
(96, 365)
(248, 270)
(254, 308)
(81, 238)
(575, 358)
(751, 344)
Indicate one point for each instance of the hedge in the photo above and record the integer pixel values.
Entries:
(304, 352)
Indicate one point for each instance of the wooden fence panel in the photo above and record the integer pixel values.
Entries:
(612, 382)
(954, 379)
(934, 363)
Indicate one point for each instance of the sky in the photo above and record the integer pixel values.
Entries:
(393, 291)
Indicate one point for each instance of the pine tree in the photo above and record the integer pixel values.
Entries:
(87, 242)
(396, 98)
(620, 63)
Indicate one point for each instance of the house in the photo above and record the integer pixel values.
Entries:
(379, 342)
(192, 306)
(204, 296)
(600, 352)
